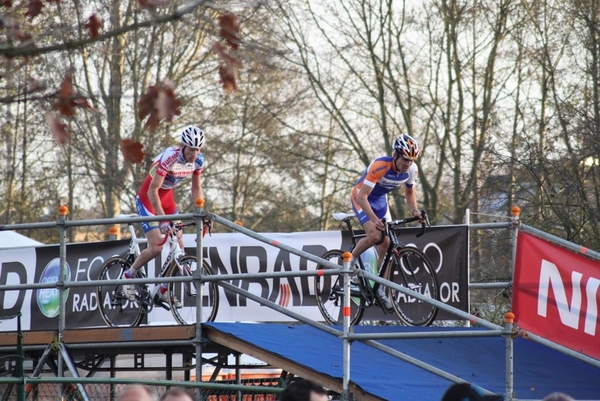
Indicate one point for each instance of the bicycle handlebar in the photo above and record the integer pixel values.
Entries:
(179, 226)
(390, 225)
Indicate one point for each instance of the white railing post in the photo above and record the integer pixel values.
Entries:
(347, 258)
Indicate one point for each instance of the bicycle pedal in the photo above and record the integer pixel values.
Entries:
(382, 306)
(157, 301)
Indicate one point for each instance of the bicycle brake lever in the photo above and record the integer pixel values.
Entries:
(424, 223)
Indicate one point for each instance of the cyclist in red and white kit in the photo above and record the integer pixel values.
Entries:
(155, 198)
(369, 197)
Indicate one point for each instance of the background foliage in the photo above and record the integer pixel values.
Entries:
(503, 96)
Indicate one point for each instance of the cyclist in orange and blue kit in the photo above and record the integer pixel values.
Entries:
(369, 196)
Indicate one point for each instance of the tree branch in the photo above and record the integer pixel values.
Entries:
(12, 52)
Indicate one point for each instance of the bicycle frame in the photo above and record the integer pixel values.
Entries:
(403, 265)
(172, 238)
(395, 242)
(181, 296)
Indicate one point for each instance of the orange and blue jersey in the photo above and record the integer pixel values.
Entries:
(382, 178)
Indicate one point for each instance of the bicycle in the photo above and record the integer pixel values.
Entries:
(117, 311)
(402, 265)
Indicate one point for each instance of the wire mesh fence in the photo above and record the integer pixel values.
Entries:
(259, 389)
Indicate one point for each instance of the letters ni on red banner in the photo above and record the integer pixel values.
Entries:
(556, 294)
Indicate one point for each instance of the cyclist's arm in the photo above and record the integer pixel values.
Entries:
(155, 185)
(411, 201)
(363, 202)
(197, 191)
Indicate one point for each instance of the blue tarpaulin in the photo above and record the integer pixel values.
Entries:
(538, 370)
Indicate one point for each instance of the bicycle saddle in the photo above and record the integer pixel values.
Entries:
(343, 216)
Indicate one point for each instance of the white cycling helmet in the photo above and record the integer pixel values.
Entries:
(407, 147)
(192, 137)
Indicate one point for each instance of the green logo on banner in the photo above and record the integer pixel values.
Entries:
(48, 299)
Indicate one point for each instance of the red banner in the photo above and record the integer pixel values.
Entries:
(555, 294)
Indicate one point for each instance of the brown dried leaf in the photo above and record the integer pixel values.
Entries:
(167, 104)
(6, 3)
(132, 151)
(67, 100)
(225, 56)
(159, 103)
(228, 68)
(227, 77)
(94, 25)
(146, 103)
(34, 8)
(58, 128)
(230, 28)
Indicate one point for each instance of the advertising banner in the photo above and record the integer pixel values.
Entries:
(448, 250)
(42, 265)
(555, 294)
(225, 253)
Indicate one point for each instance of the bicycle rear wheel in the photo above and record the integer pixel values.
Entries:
(411, 268)
(116, 310)
(329, 291)
(186, 292)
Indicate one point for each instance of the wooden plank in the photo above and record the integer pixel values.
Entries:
(29, 338)
(137, 334)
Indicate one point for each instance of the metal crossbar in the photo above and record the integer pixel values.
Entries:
(346, 334)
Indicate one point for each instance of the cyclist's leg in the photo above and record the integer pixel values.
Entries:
(382, 248)
(373, 235)
(169, 207)
(151, 251)
(153, 235)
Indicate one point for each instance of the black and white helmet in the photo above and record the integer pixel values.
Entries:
(192, 137)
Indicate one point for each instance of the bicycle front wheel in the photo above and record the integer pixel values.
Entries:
(411, 268)
(114, 307)
(329, 291)
(186, 292)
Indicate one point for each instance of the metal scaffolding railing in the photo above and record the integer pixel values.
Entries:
(346, 335)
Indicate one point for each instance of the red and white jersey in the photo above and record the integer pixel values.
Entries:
(172, 165)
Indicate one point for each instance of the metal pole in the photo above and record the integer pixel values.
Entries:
(198, 216)
(238, 374)
(467, 222)
(73, 369)
(561, 242)
(62, 277)
(113, 374)
(346, 396)
(514, 225)
(455, 311)
(509, 319)
(21, 393)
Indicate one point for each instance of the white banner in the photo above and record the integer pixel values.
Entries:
(225, 253)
